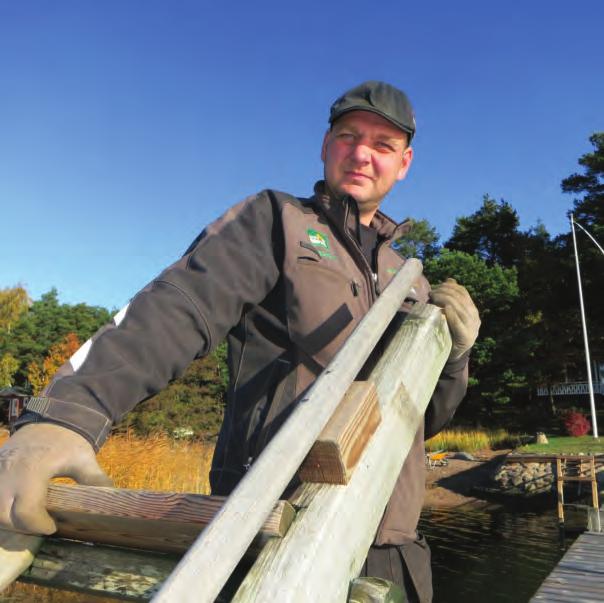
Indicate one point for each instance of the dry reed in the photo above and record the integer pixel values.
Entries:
(470, 439)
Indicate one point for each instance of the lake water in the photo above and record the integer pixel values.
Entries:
(496, 556)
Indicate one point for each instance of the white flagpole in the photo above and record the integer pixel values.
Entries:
(594, 420)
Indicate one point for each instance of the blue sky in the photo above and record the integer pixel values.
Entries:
(126, 126)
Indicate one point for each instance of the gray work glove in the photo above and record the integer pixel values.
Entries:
(461, 313)
(29, 459)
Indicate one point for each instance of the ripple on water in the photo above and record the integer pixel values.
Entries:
(495, 556)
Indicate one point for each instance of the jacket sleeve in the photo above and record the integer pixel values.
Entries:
(181, 315)
(449, 392)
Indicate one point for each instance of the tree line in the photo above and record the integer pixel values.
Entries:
(523, 282)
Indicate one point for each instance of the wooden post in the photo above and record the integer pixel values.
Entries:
(328, 540)
(594, 493)
(560, 484)
(206, 567)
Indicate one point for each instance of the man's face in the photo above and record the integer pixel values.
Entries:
(364, 155)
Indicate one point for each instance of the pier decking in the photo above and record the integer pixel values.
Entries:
(579, 577)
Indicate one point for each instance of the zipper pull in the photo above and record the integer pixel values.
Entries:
(375, 282)
(247, 465)
(355, 288)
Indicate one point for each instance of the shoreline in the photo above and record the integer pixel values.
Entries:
(454, 484)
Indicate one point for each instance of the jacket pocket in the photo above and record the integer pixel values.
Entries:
(323, 306)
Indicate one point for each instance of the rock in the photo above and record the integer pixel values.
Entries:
(463, 456)
(541, 438)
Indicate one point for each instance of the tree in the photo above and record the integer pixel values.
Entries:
(39, 376)
(588, 210)
(420, 242)
(491, 232)
(46, 323)
(494, 290)
(8, 368)
(14, 302)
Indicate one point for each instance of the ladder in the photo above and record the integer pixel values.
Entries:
(578, 469)
(334, 524)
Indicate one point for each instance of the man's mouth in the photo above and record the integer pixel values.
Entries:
(357, 175)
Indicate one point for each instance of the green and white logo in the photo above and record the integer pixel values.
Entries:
(318, 239)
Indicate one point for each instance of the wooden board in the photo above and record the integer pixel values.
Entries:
(579, 577)
(156, 521)
(334, 455)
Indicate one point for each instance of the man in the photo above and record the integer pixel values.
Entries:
(285, 280)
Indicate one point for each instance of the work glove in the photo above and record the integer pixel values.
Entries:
(29, 459)
(461, 314)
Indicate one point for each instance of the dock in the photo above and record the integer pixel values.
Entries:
(579, 577)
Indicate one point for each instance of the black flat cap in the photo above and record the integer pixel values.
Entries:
(377, 97)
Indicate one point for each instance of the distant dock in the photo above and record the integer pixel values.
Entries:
(579, 577)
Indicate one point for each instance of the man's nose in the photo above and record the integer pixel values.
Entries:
(361, 153)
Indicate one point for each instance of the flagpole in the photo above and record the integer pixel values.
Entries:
(594, 420)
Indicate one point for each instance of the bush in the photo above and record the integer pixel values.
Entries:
(576, 423)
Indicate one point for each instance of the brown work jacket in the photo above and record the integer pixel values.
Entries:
(284, 280)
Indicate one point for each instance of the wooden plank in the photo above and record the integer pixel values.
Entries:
(222, 544)
(17, 553)
(99, 570)
(375, 590)
(328, 541)
(334, 455)
(579, 576)
(156, 521)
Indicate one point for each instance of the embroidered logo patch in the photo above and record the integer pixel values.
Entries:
(318, 239)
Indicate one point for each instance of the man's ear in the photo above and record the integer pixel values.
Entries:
(406, 163)
(324, 146)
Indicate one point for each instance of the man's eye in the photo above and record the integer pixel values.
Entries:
(346, 136)
(384, 146)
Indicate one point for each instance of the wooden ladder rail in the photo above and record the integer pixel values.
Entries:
(220, 547)
(561, 462)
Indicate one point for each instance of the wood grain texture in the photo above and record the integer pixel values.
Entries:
(334, 455)
(156, 521)
(17, 553)
(579, 576)
(328, 541)
(226, 538)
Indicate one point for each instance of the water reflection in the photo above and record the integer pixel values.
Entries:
(494, 555)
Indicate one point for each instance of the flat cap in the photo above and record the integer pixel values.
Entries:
(377, 97)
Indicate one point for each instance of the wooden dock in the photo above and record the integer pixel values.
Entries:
(579, 577)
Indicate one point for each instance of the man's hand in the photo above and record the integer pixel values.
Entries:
(36, 453)
(461, 313)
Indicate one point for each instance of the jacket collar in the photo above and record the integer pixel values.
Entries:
(343, 211)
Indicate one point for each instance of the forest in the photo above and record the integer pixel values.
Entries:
(523, 282)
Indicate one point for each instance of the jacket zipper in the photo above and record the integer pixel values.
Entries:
(370, 276)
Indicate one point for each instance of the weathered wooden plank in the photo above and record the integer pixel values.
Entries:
(579, 576)
(336, 452)
(156, 521)
(99, 570)
(327, 543)
(17, 552)
(223, 542)
(375, 590)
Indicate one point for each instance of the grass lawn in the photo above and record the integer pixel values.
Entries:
(566, 445)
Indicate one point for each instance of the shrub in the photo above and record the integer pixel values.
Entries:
(576, 423)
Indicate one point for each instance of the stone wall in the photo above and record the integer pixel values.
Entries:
(525, 478)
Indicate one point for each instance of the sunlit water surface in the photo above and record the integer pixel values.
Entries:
(493, 556)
